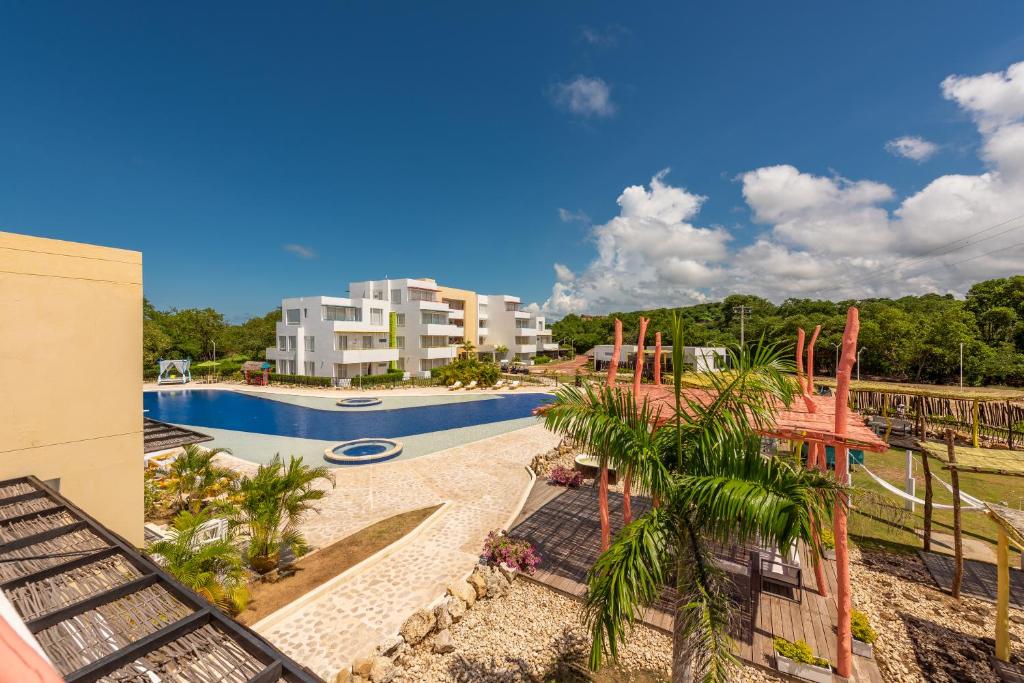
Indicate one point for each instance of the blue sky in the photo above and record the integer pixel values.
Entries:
(442, 139)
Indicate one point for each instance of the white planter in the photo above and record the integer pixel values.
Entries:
(807, 672)
(862, 649)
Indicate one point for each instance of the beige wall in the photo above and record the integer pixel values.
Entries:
(470, 318)
(70, 387)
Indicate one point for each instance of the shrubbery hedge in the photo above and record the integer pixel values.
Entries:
(305, 380)
(390, 377)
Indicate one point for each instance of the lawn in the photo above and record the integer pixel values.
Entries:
(881, 520)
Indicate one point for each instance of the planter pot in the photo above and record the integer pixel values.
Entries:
(807, 672)
(862, 649)
(828, 553)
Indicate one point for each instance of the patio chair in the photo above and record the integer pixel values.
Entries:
(499, 384)
(471, 385)
(782, 569)
(455, 385)
(514, 384)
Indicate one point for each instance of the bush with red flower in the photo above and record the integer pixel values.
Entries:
(565, 476)
(515, 552)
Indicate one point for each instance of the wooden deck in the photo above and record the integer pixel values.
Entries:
(979, 578)
(565, 527)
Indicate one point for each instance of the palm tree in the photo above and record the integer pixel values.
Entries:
(195, 476)
(704, 464)
(467, 348)
(500, 351)
(272, 505)
(213, 569)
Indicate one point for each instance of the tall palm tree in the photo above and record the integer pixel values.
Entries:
(273, 503)
(213, 569)
(195, 475)
(704, 463)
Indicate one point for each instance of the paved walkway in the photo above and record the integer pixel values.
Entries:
(484, 481)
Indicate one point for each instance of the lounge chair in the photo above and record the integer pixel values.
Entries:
(782, 569)
(499, 384)
(514, 385)
(455, 385)
(471, 385)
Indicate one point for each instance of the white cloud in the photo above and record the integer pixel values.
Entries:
(585, 96)
(564, 273)
(912, 147)
(300, 251)
(606, 37)
(824, 236)
(567, 216)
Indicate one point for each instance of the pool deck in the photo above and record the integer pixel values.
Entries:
(484, 484)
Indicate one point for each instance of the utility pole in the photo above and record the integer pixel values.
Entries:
(961, 365)
(743, 311)
(862, 350)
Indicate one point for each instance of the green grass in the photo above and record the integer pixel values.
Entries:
(888, 526)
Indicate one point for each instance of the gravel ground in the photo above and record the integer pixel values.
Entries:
(533, 634)
(924, 634)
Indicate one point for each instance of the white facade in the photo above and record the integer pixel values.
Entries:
(333, 337)
(504, 323)
(699, 358)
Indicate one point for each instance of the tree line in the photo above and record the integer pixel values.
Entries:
(913, 338)
(196, 333)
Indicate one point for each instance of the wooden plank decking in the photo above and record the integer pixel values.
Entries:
(565, 527)
(979, 578)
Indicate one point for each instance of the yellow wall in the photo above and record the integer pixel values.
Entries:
(70, 356)
(470, 318)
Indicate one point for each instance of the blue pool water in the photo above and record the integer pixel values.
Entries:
(365, 449)
(230, 410)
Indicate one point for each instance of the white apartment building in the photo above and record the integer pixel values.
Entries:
(697, 358)
(347, 337)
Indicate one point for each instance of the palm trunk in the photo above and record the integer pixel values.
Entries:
(602, 501)
(682, 658)
(627, 503)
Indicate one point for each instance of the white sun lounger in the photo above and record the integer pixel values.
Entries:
(471, 385)
(514, 384)
(499, 384)
(456, 385)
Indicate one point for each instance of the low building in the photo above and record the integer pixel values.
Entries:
(696, 358)
(71, 404)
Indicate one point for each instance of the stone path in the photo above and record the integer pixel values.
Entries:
(484, 481)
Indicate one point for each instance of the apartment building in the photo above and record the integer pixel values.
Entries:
(410, 324)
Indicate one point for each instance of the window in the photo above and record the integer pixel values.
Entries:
(401, 363)
(511, 306)
(483, 323)
(431, 363)
(376, 316)
(522, 340)
(341, 343)
(378, 295)
(309, 368)
(400, 342)
(522, 324)
(282, 343)
(367, 342)
(344, 313)
(455, 304)
(400, 319)
(291, 343)
(433, 318)
(292, 316)
(540, 323)
(433, 342)
(310, 343)
(396, 296)
(422, 295)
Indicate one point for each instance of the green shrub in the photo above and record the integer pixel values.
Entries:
(828, 541)
(304, 380)
(861, 627)
(799, 652)
(541, 360)
(466, 370)
(390, 377)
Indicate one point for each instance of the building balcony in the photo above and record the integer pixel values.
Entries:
(359, 326)
(456, 314)
(364, 356)
(430, 330)
(544, 333)
(437, 352)
(523, 348)
(523, 315)
(549, 347)
(430, 306)
(274, 353)
(526, 332)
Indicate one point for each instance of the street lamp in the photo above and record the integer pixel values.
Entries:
(961, 365)
(837, 357)
(862, 350)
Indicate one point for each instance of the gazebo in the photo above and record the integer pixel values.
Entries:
(256, 372)
(182, 367)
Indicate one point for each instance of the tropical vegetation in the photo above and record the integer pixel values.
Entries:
(467, 369)
(701, 461)
(271, 505)
(518, 553)
(214, 569)
(913, 338)
(800, 652)
(194, 476)
(861, 628)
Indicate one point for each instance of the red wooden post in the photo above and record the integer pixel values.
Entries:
(602, 491)
(657, 359)
(810, 362)
(627, 484)
(844, 659)
(800, 357)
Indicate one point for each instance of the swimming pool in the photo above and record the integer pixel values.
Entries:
(240, 412)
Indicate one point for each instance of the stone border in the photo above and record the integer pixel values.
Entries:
(342, 459)
(312, 596)
(522, 500)
(358, 402)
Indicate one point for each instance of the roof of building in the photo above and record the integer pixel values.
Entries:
(981, 394)
(982, 460)
(101, 611)
(161, 436)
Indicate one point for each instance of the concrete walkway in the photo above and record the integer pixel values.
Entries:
(484, 483)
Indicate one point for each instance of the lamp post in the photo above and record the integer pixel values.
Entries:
(961, 365)
(837, 355)
(961, 359)
(862, 350)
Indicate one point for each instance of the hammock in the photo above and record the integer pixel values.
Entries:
(906, 496)
(965, 497)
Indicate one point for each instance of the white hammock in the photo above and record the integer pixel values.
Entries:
(978, 505)
(965, 497)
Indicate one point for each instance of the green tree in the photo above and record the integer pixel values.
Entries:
(714, 486)
(273, 503)
(213, 569)
(194, 476)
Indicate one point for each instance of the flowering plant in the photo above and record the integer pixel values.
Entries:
(515, 552)
(565, 476)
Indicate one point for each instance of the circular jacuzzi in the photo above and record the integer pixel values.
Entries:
(360, 451)
(359, 402)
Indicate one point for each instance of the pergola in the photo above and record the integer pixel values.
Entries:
(992, 407)
(955, 459)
